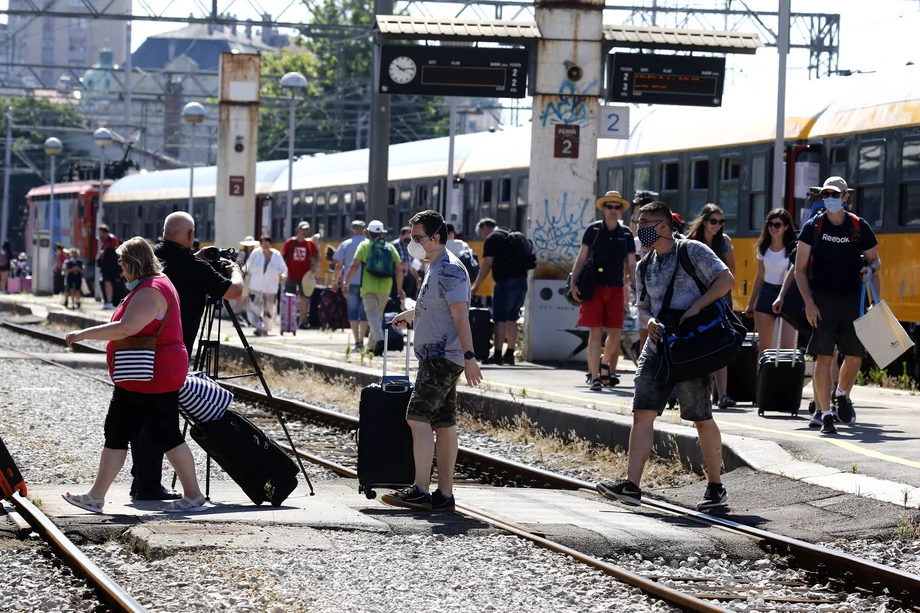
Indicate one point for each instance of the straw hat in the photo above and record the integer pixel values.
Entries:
(612, 196)
(249, 242)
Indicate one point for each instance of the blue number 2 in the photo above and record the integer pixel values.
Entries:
(616, 119)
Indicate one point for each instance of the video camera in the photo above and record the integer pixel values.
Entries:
(220, 259)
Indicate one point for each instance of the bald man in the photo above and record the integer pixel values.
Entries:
(196, 281)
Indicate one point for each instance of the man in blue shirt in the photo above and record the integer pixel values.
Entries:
(344, 256)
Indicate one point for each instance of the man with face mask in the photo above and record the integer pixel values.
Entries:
(836, 251)
(658, 273)
(834, 187)
(444, 348)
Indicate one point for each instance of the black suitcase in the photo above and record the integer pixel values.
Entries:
(781, 378)
(394, 338)
(481, 329)
(10, 478)
(742, 371)
(252, 459)
(384, 439)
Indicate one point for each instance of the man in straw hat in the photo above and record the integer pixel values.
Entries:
(612, 250)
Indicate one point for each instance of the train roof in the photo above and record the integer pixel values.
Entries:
(75, 187)
(173, 184)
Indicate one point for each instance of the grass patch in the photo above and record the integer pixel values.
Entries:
(908, 528)
(879, 377)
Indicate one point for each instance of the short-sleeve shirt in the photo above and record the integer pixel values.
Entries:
(402, 250)
(299, 256)
(661, 269)
(371, 284)
(194, 280)
(836, 253)
(496, 246)
(610, 251)
(346, 255)
(775, 265)
(446, 283)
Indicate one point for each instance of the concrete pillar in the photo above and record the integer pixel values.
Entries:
(237, 137)
(563, 164)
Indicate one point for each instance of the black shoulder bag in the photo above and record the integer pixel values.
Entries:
(703, 343)
(587, 278)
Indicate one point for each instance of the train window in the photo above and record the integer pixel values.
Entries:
(870, 175)
(642, 178)
(436, 196)
(469, 208)
(615, 180)
(699, 185)
(405, 208)
(910, 183)
(391, 196)
(871, 163)
(421, 197)
(504, 190)
(334, 217)
(485, 192)
(670, 176)
(729, 185)
(360, 204)
(520, 215)
(758, 191)
(320, 207)
(838, 162)
(306, 213)
(140, 212)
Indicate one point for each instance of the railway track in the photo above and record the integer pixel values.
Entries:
(841, 573)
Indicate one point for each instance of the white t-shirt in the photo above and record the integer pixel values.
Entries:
(775, 265)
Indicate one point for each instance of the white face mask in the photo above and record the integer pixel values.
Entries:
(417, 251)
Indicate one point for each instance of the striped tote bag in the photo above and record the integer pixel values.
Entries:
(133, 357)
(201, 399)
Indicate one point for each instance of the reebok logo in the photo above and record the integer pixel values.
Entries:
(836, 239)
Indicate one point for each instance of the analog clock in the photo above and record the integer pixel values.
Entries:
(402, 69)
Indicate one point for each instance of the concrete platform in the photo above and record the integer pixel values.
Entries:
(877, 457)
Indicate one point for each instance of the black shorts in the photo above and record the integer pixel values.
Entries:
(652, 394)
(73, 281)
(768, 294)
(835, 328)
(294, 286)
(130, 411)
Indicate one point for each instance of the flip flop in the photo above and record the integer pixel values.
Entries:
(186, 505)
(85, 502)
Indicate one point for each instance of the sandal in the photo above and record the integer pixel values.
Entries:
(608, 379)
(726, 402)
(186, 505)
(85, 501)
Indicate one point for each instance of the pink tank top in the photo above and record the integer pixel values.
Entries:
(170, 365)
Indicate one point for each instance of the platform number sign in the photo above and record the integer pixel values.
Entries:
(237, 186)
(565, 144)
(614, 122)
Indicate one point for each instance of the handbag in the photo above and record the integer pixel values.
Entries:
(133, 357)
(587, 278)
(201, 399)
(879, 330)
(703, 343)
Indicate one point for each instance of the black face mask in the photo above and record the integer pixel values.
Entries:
(406, 241)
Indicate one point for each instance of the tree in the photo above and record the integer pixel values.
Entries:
(332, 115)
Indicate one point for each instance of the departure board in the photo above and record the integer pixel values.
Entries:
(645, 78)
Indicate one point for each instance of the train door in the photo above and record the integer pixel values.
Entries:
(521, 210)
(806, 173)
(486, 199)
(758, 204)
(730, 189)
(503, 210)
(699, 186)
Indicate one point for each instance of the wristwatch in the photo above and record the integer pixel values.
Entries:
(469, 355)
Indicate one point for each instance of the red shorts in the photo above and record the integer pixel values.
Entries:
(604, 310)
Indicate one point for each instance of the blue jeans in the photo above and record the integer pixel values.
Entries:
(355, 304)
(508, 299)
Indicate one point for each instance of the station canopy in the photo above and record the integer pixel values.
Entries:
(399, 27)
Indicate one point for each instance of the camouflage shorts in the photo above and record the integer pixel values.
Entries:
(434, 399)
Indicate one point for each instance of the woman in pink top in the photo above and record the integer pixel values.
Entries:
(151, 309)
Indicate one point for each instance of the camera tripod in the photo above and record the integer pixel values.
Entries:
(207, 360)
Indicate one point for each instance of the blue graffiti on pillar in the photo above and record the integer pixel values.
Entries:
(557, 238)
(569, 106)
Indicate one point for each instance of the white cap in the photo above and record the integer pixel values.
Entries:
(304, 225)
(376, 226)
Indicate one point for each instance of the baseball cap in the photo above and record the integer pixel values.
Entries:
(357, 224)
(304, 225)
(376, 226)
(836, 184)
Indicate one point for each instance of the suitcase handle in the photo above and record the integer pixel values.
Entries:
(386, 346)
(777, 335)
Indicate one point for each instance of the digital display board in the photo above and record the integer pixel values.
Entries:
(665, 79)
(453, 71)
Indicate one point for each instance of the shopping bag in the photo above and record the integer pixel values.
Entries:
(880, 332)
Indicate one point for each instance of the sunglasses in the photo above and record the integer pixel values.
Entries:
(776, 225)
(830, 194)
(612, 207)
(716, 222)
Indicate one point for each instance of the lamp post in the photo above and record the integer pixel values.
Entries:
(193, 114)
(293, 81)
(52, 148)
(103, 138)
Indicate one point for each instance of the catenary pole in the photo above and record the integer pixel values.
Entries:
(379, 141)
(782, 44)
(7, 161)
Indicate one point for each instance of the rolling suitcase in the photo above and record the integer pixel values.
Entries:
(13, 285)
(252, 459)
(781, 377)
(290, 313)
(394, 338)
(333, 310)
(384, 439)
(742, 371)
(10, 478)
(27, 284)
(481, 329)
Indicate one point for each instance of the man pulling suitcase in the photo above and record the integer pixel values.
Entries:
(444, 348)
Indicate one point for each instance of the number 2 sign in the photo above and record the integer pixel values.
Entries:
(614, 122)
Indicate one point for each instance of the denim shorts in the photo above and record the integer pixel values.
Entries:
(651, 394)
(508, 299)
(355, 304)
(768, 294)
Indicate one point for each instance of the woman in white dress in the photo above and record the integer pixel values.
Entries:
(265, 269)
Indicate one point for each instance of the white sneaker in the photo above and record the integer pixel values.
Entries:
(107, 305)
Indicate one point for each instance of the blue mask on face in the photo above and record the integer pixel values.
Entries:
(833, 205)
(132, 284)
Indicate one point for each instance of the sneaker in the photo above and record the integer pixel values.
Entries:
(844, 409)
(816, 420)
(508, 358)
(410, 498)
(359, 346)
(715, 496)
(726, 402)
(596, 385)
(621, 490)
(812, 407)
(827, 425)
(440, 502)
(107, 306)
(495, 360)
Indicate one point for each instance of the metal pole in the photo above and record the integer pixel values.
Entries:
(100, 216)
(379, 137)
(128, 75)
(7, 161)
(782, 44)
(289, 209)
(51, 201)
(449, 186)
(191, 181)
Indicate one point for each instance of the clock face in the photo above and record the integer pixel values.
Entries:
(402, 70)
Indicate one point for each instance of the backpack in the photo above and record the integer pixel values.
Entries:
(380, 260)
(521, 252)
(471, 262)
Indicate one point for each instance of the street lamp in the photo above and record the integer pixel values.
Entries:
(193, 114)
(293, 81)
(52, 148)
(103, 138)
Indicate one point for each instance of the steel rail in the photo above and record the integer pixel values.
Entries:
(109, 591)
(853, 571)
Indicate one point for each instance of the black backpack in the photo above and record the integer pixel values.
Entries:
(470, 262)
(521, 252)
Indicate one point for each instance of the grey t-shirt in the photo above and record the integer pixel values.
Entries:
(446, 283)
(346, 255)
(661, 269)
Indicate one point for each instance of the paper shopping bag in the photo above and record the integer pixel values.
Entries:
(881, 333)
